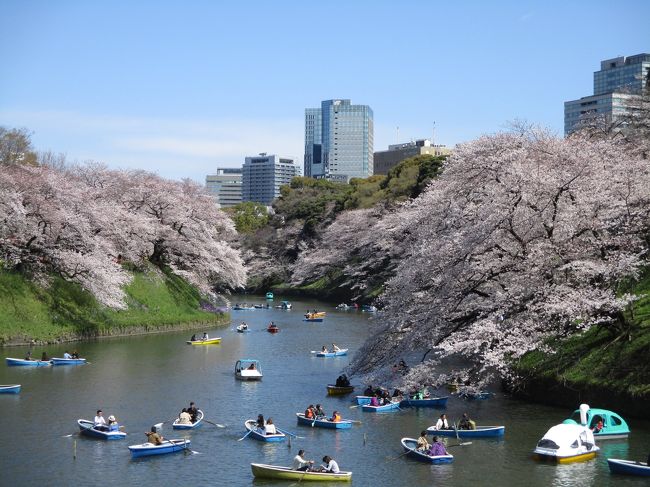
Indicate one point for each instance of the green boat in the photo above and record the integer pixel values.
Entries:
(275, 472)
(605, 424)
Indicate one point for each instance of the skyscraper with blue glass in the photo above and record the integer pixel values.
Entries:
(339, 141)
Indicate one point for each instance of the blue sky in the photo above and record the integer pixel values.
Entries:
(181, 88)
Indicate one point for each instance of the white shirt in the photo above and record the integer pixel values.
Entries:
(441, 424)
(269, 429)
(100, 421)
(332, 467)
(185, 418)
(67, 355)
(299, 462)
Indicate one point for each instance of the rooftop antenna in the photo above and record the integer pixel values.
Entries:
(433, 135)
(397, 140)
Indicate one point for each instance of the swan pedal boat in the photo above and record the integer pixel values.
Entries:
(429, 402)
(614, 426)
(68, 361)
(628, 467)
(251, 426)
(242, 372)
(410, 445)
(566, 443)
(286, 473)
(337, 353)
(87, 428)
(209, 341)
(392, 406)
(324, 422)
(183, 426)
(479, 432)
(13, 362)
(334, 390)
(167, 446)
(10, 389)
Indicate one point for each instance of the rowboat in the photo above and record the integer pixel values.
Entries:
(336, 353)
(87, 428)
(475, 396)
(68, 361)
(273, 329)
(209, 341)
(391, 406)
(333, 390)
(368, 308)
(361, 400)
(314, 320)
(257, 434)
(13, 362)
(479, 432)
(432, 402)
(181, 426)
(242, 329)
(167, 446)
(242, 307)
(410, 445)
(248, 369)
(10, 389)
(565, 443)
(285, 305)
(285, 473)
(316, 316)
(611, 424)
(324, 422)
(628, 467)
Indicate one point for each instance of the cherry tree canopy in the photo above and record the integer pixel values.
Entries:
(524, 236)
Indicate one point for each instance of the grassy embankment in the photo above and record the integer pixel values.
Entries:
(156, 301)
(601, 367)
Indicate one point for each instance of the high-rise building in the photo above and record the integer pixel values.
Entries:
(225, 186)
(339, 141)
(263, 175)
(385, 160)
(619, 80)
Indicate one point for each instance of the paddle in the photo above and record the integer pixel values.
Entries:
(398, 456)
(218, 425)
(355, 406)
(249, 432)
(355, 421)
(460, 444)
(290, 434)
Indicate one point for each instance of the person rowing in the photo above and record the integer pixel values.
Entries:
(154, 437)
(299, 462)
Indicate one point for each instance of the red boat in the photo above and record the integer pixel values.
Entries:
(273, 328)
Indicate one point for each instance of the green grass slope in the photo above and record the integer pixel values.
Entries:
(64, 311)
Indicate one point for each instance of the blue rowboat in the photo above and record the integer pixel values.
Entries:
(393, 406)
(361, 400)
(13, 362)
(324, 423)
(628, 467)
(168, 446)
(10, 389)
(180, 426)
(256, 434)
(410, 445)
(87, 428)
(479, 432)
(314, 320)
(68, 361)
(433, 402)
(338, 353)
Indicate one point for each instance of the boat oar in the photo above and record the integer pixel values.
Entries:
(461, 444)
(355, 421)
(249, 432)
(290, 434)
(218, 425)
(398, 456)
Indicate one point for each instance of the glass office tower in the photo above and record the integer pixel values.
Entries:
(263, 175)
(339, 140)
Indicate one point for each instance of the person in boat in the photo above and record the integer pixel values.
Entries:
(336, 417)
(466, 423)
(397, 393)
(205, 336)
(369, 391)
(269, 428)
(374, 401)
(67, 355)
(319, 412)
(342, 381)
(299, 462)
(243, 325)
(423, 443)
(112, 424)
(272, 325)
(260, 422)
(598, 427)
(28, 356)
(154, 437)
(184, 417)
(193, 412)
(442, 423)
(310, 412)
(330, 465)
(44, 357)
(75, 354)
(324, 350)
(335, 347)
(193, 339)
(437, 448)
(100, 422)
(252, 366)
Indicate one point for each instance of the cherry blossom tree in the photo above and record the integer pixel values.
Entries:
(524, 236)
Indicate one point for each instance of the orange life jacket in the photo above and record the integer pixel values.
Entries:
(309, 414)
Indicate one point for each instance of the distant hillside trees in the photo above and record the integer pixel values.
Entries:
(523, 236)
(86, 222)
